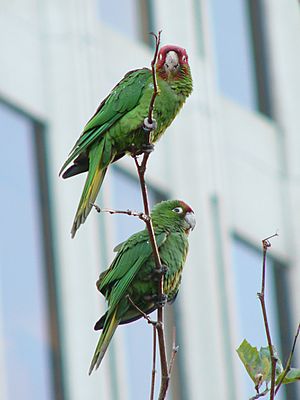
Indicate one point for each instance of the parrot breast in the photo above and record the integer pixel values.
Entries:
(128, 134)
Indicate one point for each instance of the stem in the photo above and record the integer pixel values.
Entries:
(154, 344)
(141, 312)
(289, 361)
(266, 244)
(153, 63)
(174, 351)
(153, 364)
(257, 396)
(132, 213)
(165, 377)
(141, 168)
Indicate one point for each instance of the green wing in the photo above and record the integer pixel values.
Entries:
(123, 98)
(132, 255)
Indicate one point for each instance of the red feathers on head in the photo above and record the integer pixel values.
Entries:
(181, 52)
(186, 207)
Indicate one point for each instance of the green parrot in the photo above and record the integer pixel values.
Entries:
(118, 125)
(133, 275)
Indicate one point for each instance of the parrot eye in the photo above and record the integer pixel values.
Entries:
(160, 57)
(178, 210)
(183, 58)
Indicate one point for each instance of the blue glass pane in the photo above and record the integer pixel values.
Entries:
(121, 16)
(233, 51)
(247, 266)
(126, 195)
(138, 335)
(23, 310)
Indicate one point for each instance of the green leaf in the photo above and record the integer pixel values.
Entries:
(250, 358)
(258, 363)
(292, 376)
(265, 357)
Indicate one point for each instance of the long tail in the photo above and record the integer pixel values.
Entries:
(99, 159)
(109, 329)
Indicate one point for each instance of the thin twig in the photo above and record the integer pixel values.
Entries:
(289, 361)
(141, 311)
(153, 64)
(159, 326)
(174, 351)
(149, 320)
(259, 378)
(141, 168)
(132, 213)
(153, 374)
(257, 396)
(266, 244)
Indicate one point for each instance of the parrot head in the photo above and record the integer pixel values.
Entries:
(172, 61)
(174, 214)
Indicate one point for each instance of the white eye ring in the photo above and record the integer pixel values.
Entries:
(183, 58)
(178, 210)
(160, 56)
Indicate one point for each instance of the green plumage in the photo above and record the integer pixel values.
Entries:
(132, 272)
(117, 126)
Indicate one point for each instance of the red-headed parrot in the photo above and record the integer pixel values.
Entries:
(133, 275)
(116, 128)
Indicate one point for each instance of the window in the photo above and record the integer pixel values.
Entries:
(258, 23)
(25, 329)
(132, 18)
(234, 52)
(247, 267)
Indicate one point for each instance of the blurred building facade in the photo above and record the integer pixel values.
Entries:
(232, 154)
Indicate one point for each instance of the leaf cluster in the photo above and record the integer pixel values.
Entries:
(259, 366)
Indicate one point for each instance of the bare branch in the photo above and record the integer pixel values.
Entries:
(153, 374)
(266, 244)
(257, 396)
(270, 237)
(259, 378)
(141, 311)
(289, 361)
(149, 320)
(141, 168)
(132, 213)
(153, 64)
(174, 351)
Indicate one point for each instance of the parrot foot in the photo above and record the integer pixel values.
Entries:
(158, 273)
(149, 126)
(162, 300)
(148, 148)
(159, 300)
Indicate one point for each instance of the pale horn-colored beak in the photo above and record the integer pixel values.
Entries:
(190, 219)
(172, 62)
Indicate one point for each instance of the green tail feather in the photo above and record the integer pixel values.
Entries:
(109, 329)
(98, 163)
